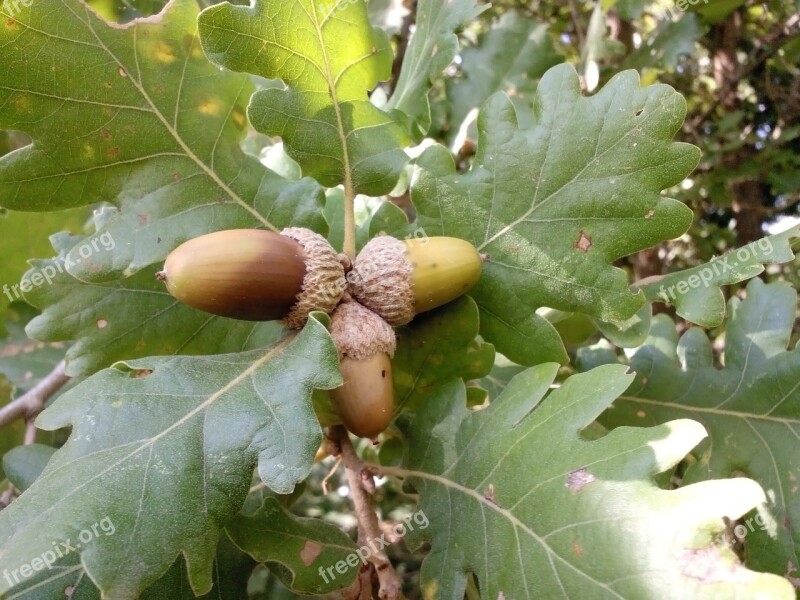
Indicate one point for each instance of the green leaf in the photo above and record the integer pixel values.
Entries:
(437, 347)
(164, 449)
(556, 204)
(23, 464)
(231, 571)
(301, 549)
(128, 319)
(515, 496)
(696, 292)
(431, 49)
(509, 57)
(330, 57)
(750, 407)
(137, 116)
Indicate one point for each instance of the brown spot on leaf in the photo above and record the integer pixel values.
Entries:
(577, 479)
(649, 214)
(583, 243)
(122, 72)
(105, 134)
(141, 373)
(311, 550)
(11, 23)
(489, 494)
(102, 323)
(112, 152)
(577, 550)
(641, 414)
(143, 218)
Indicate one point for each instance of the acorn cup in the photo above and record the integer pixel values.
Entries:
(366, 343)
(257, 275)
(398, 279)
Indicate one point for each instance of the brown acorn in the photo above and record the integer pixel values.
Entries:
(398, 279)
(366, 343)
(256, 275)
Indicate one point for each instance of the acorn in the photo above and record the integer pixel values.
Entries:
(257, 275)
(366, 343)
(398, 279)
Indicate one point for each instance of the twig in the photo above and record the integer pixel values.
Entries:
(32, 402)
(30, 432)
(576, 23)
(368, 527)
(762, 50)
(402, 44)
(330, 474)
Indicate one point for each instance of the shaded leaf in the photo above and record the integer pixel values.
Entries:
(304, 548)
(164, 449)
(436, 347)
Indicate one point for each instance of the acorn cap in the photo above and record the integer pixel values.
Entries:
(359, 333)
(323, 283)
(381, 280)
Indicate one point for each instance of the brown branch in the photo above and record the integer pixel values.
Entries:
(368, 526)
(402, 44)
(32, 402)
(763, 49)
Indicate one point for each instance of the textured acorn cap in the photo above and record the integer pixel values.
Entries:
(359, 333)
(381, 280)
(324, 282)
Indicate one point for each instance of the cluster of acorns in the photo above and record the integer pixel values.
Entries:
(258, 275)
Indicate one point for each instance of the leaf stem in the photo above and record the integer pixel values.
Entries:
(349, 245)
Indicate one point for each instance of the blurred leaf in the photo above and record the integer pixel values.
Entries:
(23, 236)
(515, 496)
(510, 57)
(12, 434)
(431, 49)
(23, 361)
(556, 204)
(23, 464)
(330, 57)
(164, 449)
(664, 47)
